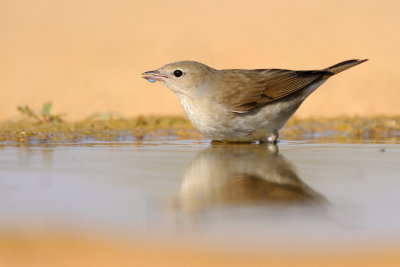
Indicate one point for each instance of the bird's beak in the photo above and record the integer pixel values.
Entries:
(154, 75)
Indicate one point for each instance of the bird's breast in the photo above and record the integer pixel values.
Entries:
(206, 116)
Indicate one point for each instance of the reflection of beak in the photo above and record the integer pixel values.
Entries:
(154, 75)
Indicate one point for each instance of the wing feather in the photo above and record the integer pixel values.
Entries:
(245, 90)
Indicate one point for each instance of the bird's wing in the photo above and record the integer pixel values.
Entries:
(247, 90)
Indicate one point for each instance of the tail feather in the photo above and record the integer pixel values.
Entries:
(335, 69)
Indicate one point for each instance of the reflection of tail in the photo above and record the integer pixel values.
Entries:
(335, 69)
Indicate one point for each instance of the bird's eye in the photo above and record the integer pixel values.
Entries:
(178, 73)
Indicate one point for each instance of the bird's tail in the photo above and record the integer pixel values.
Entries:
(335, 69)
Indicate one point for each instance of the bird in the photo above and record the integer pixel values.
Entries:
(241, 105)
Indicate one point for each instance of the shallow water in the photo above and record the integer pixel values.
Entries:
(247, 194)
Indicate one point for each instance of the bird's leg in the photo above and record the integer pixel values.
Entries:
(272, 139)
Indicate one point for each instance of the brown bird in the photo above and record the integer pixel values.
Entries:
(236, 105)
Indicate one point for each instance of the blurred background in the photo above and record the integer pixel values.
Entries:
(86, 56)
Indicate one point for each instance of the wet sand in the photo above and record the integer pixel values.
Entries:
(189, 203)
(143, 128)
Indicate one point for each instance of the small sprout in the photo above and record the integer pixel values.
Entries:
(44, 116)
(28, 112)
(46, 109)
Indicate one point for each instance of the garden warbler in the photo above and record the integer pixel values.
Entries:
(238, 105)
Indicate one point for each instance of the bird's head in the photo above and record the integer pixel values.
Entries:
(182, 77)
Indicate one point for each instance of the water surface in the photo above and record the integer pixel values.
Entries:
(297, 193)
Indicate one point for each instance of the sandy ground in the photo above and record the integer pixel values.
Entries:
(87, 56)
(58, 250)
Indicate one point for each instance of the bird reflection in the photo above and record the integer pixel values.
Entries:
(240, 175)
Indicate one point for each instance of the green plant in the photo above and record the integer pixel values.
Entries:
(43, 116)
(106, 116)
